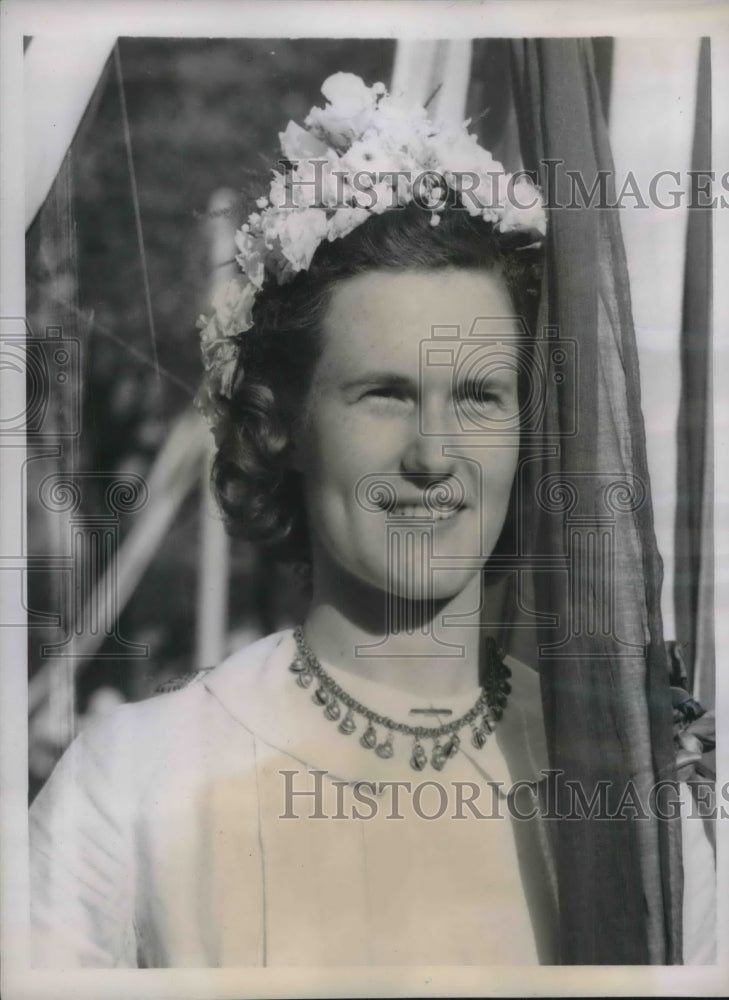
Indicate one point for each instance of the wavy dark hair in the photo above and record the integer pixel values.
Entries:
(260, 496)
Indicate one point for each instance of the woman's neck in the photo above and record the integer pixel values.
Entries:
(406, 646)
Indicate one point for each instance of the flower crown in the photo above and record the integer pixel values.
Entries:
(362, 154)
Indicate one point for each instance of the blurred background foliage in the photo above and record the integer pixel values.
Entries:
(199, 115)
(203, 114)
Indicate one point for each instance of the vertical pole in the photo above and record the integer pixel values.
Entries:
(57, 324)
(212, 600)
(693, 588)
(705, 690)
(426, 68)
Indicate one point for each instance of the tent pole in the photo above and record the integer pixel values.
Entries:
(212, 596)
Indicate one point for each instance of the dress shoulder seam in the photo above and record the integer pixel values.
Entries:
(182, 680)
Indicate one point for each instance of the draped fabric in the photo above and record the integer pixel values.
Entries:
(693, 585)
(588, 534)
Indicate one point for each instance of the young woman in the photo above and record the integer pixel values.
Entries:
(365, 789)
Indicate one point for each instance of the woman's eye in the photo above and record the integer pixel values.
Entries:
(486, 396)
(387, 395)
(481, 395)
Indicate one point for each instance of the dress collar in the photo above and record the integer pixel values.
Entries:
(258, 690)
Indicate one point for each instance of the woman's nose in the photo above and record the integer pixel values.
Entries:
(427, 449)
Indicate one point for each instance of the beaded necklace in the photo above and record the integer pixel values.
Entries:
(334, 700)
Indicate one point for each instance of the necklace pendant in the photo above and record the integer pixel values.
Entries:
(339, 708)
(438, 757)
(320, 696)
(419, 757)
(369, 737)
(333, 711)
(478, 737)
(347, 725)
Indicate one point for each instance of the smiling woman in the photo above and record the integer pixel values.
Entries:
(258, 488)
(357, 433)
(368, 403)
(370, 382)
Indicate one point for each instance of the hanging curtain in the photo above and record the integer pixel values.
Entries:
(694, 541)
(589, 535)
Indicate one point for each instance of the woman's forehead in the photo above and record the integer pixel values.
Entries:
(392, 317)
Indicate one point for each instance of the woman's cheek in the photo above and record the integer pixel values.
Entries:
(365, 444)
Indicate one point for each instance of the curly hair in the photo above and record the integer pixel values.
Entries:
(259, 494)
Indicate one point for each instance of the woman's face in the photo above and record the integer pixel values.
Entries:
(415, 390)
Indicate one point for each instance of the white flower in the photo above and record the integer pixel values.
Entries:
(523, 208)
(272, 222)
(312, 183)
(252, 255)
(455, 152)
(278, 194)
(344, 221)
(233, 302)
(364, 155)
(220, 358)
(349, 111)
(297, 143)
(382, 197)
(300, 233)
(396, 115)
(482, 193)
(370, 155)
(349, 92)
(336, 128)
(491, 189)
(226, 364)
(365, 134)
(490, 215)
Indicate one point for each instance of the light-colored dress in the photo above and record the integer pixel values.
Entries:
(231, 824)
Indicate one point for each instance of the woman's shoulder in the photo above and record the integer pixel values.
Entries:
(189, 728)
(242, 664)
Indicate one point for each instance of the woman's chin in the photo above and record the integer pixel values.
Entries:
(437, 587)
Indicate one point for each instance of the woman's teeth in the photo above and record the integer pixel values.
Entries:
(416, 510)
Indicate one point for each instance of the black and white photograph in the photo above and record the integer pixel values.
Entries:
(364, 513)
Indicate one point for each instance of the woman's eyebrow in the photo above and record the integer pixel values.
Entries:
(496, 379)
(388, 379)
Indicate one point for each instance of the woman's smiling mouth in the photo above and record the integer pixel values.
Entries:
(426, 512)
